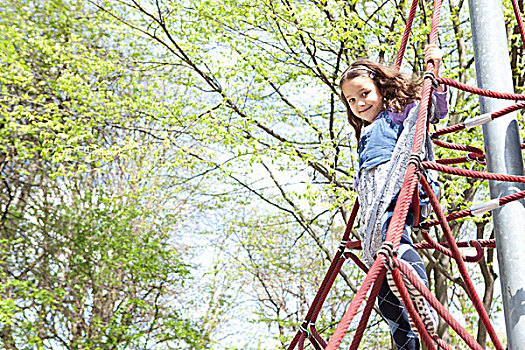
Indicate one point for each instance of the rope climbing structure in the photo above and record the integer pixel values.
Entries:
(386, 259)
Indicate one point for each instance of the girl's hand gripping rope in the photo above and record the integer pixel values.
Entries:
(435, 54)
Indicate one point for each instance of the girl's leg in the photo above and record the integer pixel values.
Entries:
(390, 305)
(408, 253)
(394, 312)
(406, 250)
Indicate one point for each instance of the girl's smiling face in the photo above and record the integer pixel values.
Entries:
(365, 101)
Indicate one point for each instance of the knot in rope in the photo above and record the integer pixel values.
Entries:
(416, 160)
(304, 328)
(342, 247)
(432, 77)
(471, 157)
(387, 249)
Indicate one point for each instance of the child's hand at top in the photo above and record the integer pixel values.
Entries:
(435, 54)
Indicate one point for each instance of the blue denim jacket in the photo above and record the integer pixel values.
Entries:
(376, 145)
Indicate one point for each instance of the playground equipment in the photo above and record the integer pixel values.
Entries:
(505, 171)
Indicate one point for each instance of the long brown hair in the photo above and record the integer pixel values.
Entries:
(397, 89)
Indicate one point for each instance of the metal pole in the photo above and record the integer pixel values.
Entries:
(502, 146)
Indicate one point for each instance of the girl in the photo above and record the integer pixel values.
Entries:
(382, 106)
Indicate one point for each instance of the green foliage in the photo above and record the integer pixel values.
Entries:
(88, 254)
(101, 279)
(127, 125)
(260, 83)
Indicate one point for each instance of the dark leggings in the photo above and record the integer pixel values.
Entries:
(389, 305)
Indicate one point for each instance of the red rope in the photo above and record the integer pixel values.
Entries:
(456, 147)
(450, 217)
(460, 160)
(358, 262)
(508, 110)
(328, 281)
(331, 275)
(461, 126)
(481, 92)
(440, 342)
(406, 34)
(519, 20)
(512, 197)
(337, 263)
(356, 302)
(360, 331)
(302, 337)
(476, 153)
(320, 341)
(408, 192)
(485, 243)
(440, 309)
(473, 173)
(461, 266)
(479, 252)
(446, 251)
(448, 130)
(395, 228)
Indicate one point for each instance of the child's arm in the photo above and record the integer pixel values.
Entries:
(439, 99)
(435, 54)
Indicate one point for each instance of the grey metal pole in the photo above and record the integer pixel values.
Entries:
(502, 146)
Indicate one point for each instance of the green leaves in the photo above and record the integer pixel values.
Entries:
(127, 128)
(86, 232)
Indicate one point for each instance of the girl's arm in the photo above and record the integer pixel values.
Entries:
(435, 54)
(439, 98)
(441, 102)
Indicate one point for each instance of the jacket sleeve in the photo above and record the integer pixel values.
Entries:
(438, 108)
(399, 118)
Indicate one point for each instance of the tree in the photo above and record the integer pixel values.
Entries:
(88, 258)
(250, 104)
(265, 76)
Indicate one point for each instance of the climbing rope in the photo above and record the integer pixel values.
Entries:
(386, 260)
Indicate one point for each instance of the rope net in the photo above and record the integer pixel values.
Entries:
(375, 274)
